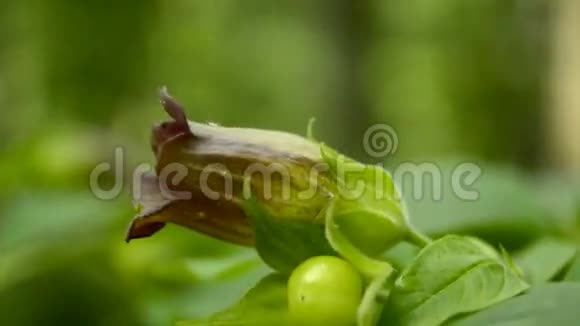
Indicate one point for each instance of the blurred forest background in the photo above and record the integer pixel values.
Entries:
(495, 82)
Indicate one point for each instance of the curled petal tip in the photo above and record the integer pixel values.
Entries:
(172, 107)
(163, 92)
(141, 229)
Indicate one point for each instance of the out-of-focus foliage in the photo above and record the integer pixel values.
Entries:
(79, 78)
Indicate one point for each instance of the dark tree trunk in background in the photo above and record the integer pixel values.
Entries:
(564, 114)
(352, 27)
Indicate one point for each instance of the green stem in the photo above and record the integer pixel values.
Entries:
(379, 274)
(374, 298)
(418, 238)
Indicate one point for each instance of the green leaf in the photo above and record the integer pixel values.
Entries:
(265, 304)
(548, 304)
(545, 258)
(511, 208)
(452, 275)
(401, 255)
(507, 258)
(283, 243)
(573, 274)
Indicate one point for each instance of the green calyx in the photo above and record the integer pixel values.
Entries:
(368, 206)
(363, 218)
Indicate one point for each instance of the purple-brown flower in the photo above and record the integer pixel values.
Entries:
(201, 171)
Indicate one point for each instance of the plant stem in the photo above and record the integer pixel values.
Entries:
(374, 298)
(418, 238)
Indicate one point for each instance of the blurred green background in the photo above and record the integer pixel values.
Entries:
(495, 82)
